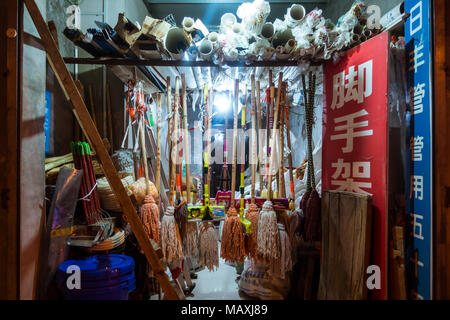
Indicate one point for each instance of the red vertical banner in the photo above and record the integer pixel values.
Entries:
(355, 133)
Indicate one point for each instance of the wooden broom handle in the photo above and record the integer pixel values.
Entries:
(144, 154)
(176, 131)
(277, 111)
(169, 134)
(260, 142)
(254, 138)
(233, 171)
(186, 140)
(288, 137)
(158, 145)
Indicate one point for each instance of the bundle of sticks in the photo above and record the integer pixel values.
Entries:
(82, 158)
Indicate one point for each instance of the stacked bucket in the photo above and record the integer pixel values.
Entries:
(102, 277)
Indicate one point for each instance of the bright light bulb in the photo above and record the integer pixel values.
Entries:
(222, 103)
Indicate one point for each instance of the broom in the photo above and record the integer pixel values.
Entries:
(181, 211)
(268, 235)
(253, 211)
(170, 236)
(232, 244)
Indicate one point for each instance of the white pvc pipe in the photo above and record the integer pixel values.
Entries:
(267, 31)
(206, 49)
(188, 24)
(295, 15)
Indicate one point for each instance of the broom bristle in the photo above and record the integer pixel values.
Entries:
(233, 244)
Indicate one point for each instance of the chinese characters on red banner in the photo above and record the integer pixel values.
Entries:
(355, 134)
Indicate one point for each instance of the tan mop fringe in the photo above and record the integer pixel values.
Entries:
(209, 251)
(232, 245)
(150, 218)
(170, 238)
(191, 240)
(268, 235)
(283, 265)
(253, 215)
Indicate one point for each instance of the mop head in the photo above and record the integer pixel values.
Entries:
(170, 239)
(233, 244)
(209, 250)
(190, 243)
(181, 216)
(302, 207)
(268, 235)
(252, 240)
(284, 264)
(313, 228)
(150, 218)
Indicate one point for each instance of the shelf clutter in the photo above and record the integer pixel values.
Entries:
(253, 41)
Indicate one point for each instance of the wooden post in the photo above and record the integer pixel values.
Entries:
(67, 82)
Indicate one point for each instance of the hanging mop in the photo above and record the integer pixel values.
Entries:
(311, 202)
(232, 243)
(171, 243)
(268, 235)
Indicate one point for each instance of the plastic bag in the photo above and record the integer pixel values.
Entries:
(253, 15)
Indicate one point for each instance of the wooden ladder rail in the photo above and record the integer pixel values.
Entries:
(86, 123)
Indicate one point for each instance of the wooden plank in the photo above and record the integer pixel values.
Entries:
(9, 133)
(128, 209)
(346, 240)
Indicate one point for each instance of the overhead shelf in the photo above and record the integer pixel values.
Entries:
(180, 63)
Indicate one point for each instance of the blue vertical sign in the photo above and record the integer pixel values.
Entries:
(48, 104)
(419, 149)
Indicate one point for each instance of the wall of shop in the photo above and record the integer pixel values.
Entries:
(32, 157)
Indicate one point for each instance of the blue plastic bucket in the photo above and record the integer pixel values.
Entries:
(103, 277)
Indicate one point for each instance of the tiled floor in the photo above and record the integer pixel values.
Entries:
(218, 285)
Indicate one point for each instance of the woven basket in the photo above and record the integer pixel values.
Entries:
(108, 199)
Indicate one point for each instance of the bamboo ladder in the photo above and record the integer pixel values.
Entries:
(87, 125)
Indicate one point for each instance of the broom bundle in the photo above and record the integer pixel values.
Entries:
(170, 238)
(208, 250)
(150, 218)
(233, 244)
